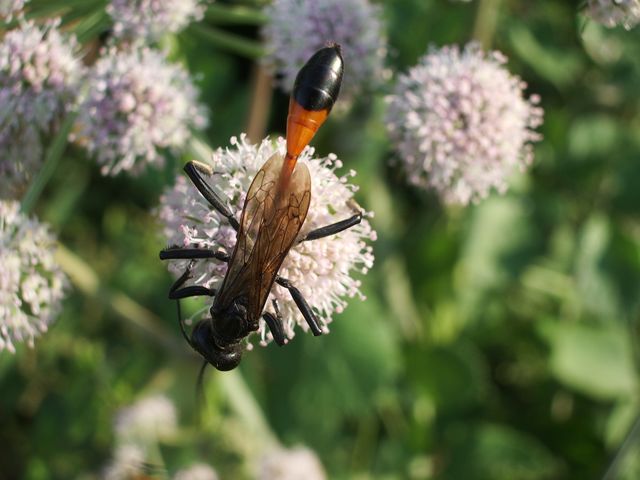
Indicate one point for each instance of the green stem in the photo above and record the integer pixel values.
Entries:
(486, 22)
(229, 41)
(234, 15)
(51, 161)
(92, 25)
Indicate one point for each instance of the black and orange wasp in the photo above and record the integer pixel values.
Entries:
(274, 211)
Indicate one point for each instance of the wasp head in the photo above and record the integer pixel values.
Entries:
(222, 357)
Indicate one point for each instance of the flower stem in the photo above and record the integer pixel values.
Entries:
(52, 158)
(229, 41)
(232, 15)
(242, 402)
(486, 21)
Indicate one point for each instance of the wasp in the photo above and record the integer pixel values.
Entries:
(274, 211)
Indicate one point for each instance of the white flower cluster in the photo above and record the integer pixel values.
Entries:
(32, 285)
(296, 29)
(39, 77)
(293, 464)
(322, 269)
(460, 123)
(149, 19)
(137, 104)
(10, 7)
(614, 12)
(138, 429)
(149, 419)
(199, 471)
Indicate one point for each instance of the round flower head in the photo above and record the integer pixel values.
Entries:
(38, 81)
(146, 420)
(299, 462)
(137, 104)
(460, 123)
(9, 7)
(614, 12)
(322, 269)
(296, 29)
(128, 462)
(31, 284)
(149, 19)
(199, 471)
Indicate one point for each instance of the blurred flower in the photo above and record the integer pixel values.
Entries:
(137, 104)
(39, 78)
(149, 19)
(199, 471)
(291, 464)
(321, 269)
(614, 12)
(9, 7)
(31, 283)
(128, 463)
(460, 123)
(295, 29)
(147, 420)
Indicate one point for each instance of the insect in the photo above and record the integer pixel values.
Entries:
(274, 211)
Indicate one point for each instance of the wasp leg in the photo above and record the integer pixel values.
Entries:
(195, 170)
(333, 228)
(275, 325)
(176, 293)
(179, 253)
(302, 304)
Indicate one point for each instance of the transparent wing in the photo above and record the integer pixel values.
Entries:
(271, 221)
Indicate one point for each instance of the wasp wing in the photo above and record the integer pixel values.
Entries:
(271, 221)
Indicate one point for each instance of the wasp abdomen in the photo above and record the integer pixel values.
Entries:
(318, 83)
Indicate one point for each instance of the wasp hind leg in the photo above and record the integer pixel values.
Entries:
(195, 170)
(302, 305)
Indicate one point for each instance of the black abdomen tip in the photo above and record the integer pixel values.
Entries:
(318, 83)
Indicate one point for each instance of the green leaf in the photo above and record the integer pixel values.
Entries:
(496, 452)
(594, 360)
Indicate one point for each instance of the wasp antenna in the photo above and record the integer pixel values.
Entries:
(200, 396)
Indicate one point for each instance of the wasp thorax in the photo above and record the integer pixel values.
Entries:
(230, 323)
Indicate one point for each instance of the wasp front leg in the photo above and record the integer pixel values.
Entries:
(177, 291)
(179, 253)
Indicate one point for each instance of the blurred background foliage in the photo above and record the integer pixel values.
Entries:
(498, 341)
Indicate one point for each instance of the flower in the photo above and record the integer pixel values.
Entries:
(614, 12)
(199, 471)
(149, 19)
(129, 461)
(9, 7)
(31, 283)
(296, 29)
(147, 420)
(299, 462)
(137, 104)
(322, 269)
(460, 123)
(39, 77)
